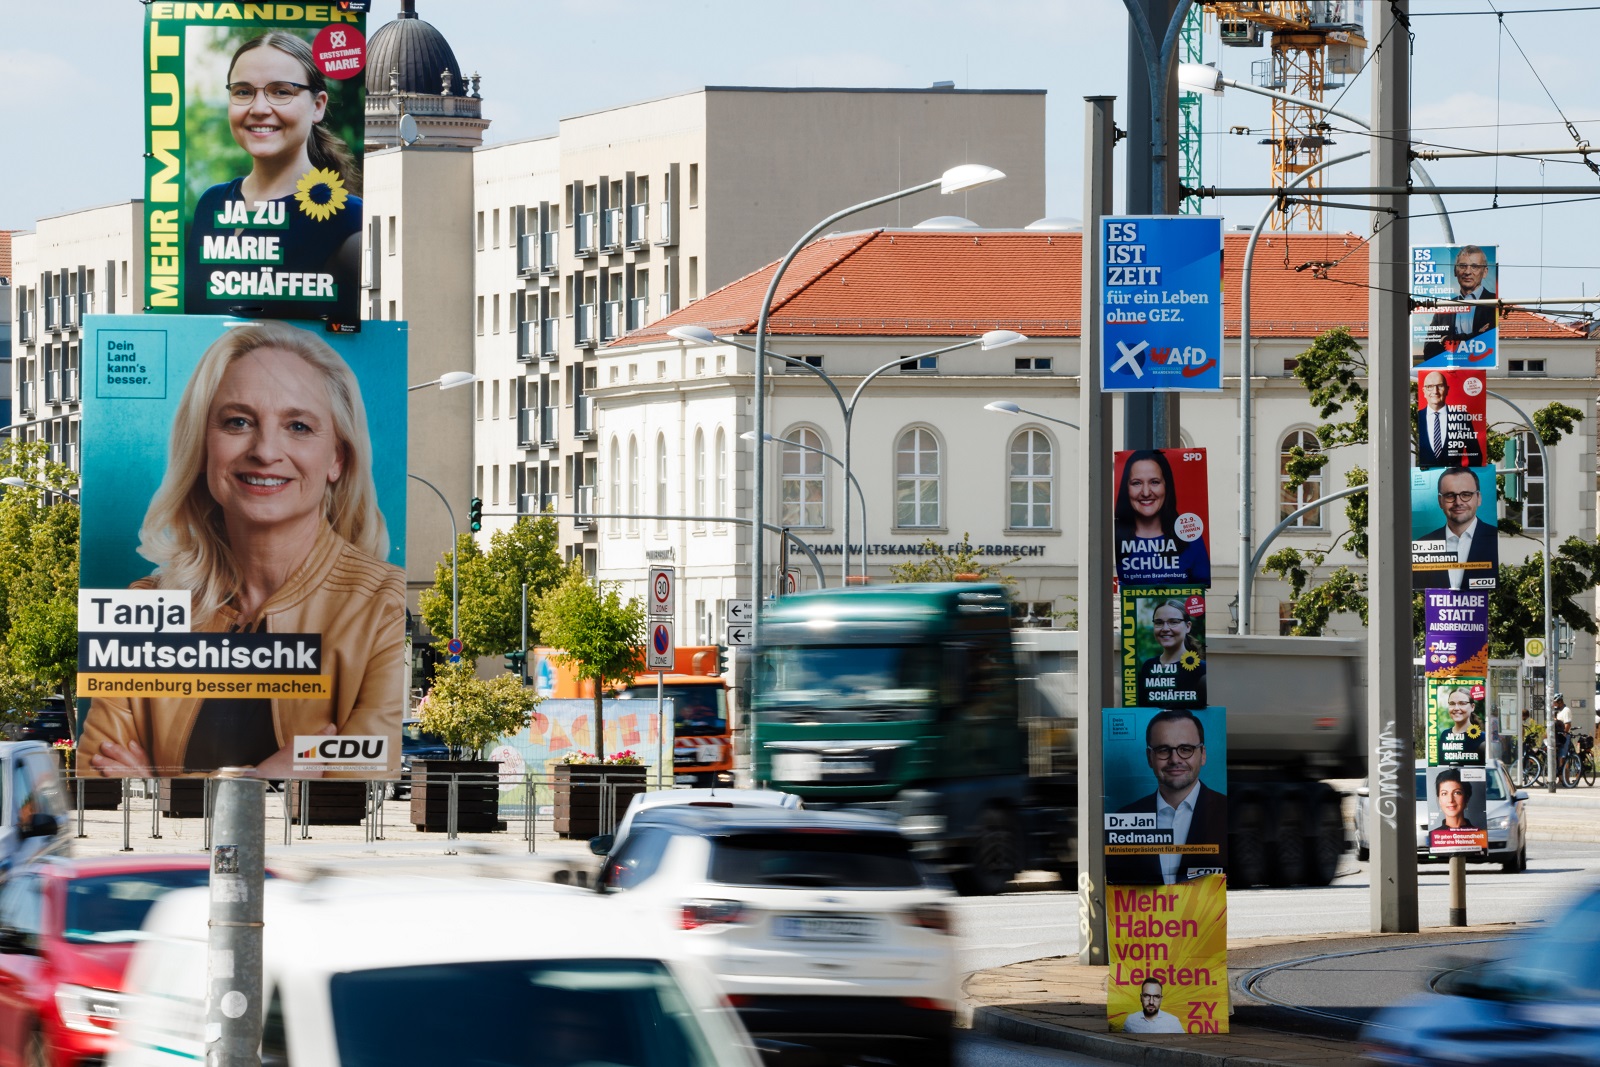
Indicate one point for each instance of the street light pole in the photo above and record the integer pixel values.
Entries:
(954, 180)
(844, 572)
(455, 587)
(1009, 408)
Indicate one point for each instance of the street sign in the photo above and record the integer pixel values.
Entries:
(663, 590)
(740, 611)
(791, 581)
(658, 648)
(544, 677)
(455, 646)
(1161, 309)
(739, 635)
(1533, 652)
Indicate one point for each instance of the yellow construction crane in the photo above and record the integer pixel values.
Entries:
(1314, 46)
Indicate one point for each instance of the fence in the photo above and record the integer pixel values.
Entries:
(576, 802)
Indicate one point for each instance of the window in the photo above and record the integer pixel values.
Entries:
(661, 483)
(633, 484)
(1526, 366)
(616, 477)
(1034, 364)
(480, 316)
(694, 277)
(700, 478)
(920, 366)
(390, 245)
(803, 482)
(1037, 614)
(723, 507)
(494, 318)
(480, 403)
(694, 185)
(1309, 491)
(1533, 483)
(1031, 471)
(916, 486)
(496, 238)
(494, 486)
(480, 236)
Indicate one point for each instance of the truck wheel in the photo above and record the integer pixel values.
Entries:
(1289, 856)
(1326, 843)
(994, 857)
(1247, 851)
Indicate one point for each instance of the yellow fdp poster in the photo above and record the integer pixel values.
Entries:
(1169, 958)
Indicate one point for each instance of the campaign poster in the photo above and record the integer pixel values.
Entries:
(1458, 731)
(1177, 755)
(1455, 634)
(1458, 809)
(255, 125)
(1452, 425)
(1444, 331)
(1164, 647)
(1161, 327)
(241, 597)
(1169, 958)
(1161, 517)
(1455, 533)
(563, 730)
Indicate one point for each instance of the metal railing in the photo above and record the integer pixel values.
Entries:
(611, 229)
(549, 502)
(372, 268)
(548, 338)
(52, 386)
(25, 321)
(637, 221)
(610, 319)
(549, 246)
(583, 234)
(527, 338)
(525, 417)
(527, 254)
(586, 505)
(583, 415)
(548, 425)
(26, 393)
(52, 312)
(583, 326)
(664, 235)
(638, 308)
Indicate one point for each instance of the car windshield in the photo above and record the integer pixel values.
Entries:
(112, 907)
(698, 710)
(836, 859)
(412, 736)
(518, 1013)
(848, 682)
(1561, 962)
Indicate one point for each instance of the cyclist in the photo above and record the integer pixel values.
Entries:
(1563, 721)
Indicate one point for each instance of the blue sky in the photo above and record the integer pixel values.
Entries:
(73, 72)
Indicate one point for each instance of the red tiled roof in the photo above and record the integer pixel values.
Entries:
(959, 283)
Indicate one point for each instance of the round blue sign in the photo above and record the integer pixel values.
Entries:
(455, 647)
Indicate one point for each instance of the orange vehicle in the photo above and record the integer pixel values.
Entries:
(702, 726)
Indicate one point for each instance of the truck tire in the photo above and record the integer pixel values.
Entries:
(1288, 862)
(994, 857)
(1247, 847)
(1325, 843)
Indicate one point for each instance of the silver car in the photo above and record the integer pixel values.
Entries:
(1507, 813)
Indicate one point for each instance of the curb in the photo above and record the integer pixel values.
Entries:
(1008, 1026)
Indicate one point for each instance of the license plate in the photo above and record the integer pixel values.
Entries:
(796, 766)
(826, 928)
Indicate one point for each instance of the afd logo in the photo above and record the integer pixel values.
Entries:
(341, 750)
(1191, 360)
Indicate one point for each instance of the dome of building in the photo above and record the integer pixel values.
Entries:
(416, 53)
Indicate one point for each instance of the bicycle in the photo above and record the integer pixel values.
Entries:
(1585, 757)
(1531, 770)
(1571, 770)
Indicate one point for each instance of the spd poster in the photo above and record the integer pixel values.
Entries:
(255, 125)
(1161, 517)
(241, 597)
(1445, 332)
(1169, 958)
(1452, 425)
(1164, 647)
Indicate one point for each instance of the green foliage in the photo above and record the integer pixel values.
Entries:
(937, 565)
(469, 713)
(491, 587)
(596, 632)
(38, 578)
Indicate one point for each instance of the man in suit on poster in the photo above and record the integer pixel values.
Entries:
(1175, 747)
(1468, 539)
(1445, 438)
(1449, 328)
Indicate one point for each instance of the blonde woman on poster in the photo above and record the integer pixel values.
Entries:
(267, 514)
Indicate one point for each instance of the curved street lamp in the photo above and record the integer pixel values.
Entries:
(844, 573)
(447, 380)
(1008, 408)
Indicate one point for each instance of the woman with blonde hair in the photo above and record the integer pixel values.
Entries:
(268, 516)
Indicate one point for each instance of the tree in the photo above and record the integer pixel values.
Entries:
(1333, 371)
(469, 713)
(38, 578)
(937, 565)
(596, 632)
(491, 586)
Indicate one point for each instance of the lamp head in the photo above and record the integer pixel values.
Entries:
(968, 176)
(1200, 78)
(693, 335)
(1004, 406)
(750, 435)
(452, 379)
(1000, 339)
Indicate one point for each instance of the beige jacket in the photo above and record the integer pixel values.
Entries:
(355, 602)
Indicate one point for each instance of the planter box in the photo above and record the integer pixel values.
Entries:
(330, 802)
(477, 796)
(99, 794)
(182, 798)
(580, 796)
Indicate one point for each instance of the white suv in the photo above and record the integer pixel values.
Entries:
(822, 929)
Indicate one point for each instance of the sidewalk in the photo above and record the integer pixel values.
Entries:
(1061, 1003)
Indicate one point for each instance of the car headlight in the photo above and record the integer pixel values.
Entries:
(90, 1011)
(1500, 823)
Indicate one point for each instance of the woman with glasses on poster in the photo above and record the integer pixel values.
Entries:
(268, 515)
(285, 239)
(1177, 677)
(1149, 551)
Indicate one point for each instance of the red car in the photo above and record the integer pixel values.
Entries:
(67, 929)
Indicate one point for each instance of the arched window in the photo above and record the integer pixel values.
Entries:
(661, 483)
(615, 473)
(916, 479)
(722, 474)
(700, 475)
(804, 486)
(1308, 491)
(633, 484)
(1031, 472)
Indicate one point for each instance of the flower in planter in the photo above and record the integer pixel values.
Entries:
(626, 758)
(578, 757)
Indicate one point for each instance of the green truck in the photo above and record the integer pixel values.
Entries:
(917, 700)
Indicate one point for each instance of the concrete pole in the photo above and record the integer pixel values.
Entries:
(1097, 687)
(1389, 643)
(234, 1007)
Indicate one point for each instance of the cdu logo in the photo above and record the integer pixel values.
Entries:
(346, 750)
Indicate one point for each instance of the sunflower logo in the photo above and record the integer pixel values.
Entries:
(1474, 731)
(320, 193)
(1189, 660)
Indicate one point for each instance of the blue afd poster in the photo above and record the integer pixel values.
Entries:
(1161, 306)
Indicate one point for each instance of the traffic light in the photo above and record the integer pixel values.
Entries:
(722, 659)
(515, 662)
(475, 514)
(1513, 477)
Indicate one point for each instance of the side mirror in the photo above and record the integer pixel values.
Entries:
(601, 846)
(40, 824)
(1521, 795)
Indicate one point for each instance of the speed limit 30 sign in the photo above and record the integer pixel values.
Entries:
(663, 592)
